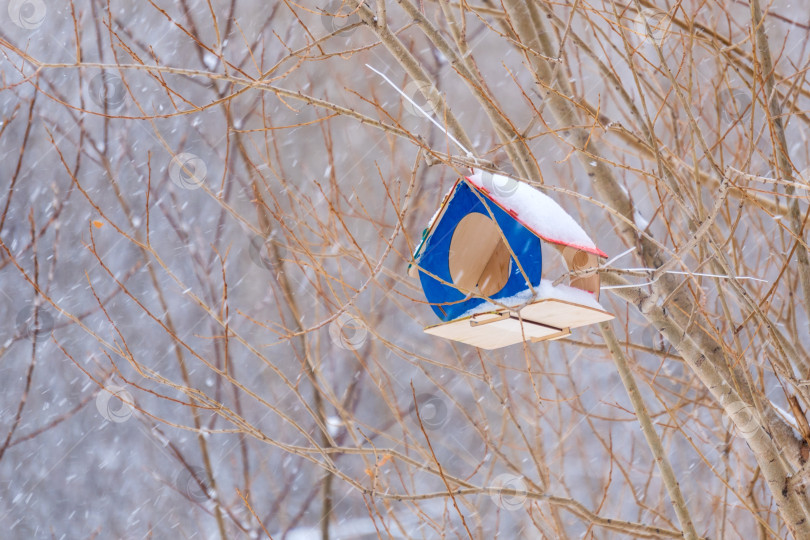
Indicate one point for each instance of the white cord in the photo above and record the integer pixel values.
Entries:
(438, 125)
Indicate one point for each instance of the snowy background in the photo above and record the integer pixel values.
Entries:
(130, 315)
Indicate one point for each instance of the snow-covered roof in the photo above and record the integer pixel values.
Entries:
(537, 211)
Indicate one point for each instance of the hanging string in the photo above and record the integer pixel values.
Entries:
(438, 125)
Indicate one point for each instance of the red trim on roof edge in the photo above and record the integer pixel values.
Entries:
(485, 192)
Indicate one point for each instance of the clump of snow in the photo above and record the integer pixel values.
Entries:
(545, 291)
(333, 425)
(210, 60)
(537, 211)
(641, 221)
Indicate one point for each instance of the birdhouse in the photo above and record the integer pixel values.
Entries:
(480, 264)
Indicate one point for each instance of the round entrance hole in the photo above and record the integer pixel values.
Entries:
(479, 259)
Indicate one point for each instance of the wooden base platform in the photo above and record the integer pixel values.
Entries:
(539, 321)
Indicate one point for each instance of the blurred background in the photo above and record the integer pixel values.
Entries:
(208, 211)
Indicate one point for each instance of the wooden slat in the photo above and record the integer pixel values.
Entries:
(564, 314)
(490, 336)
(494, 332)
(475, 240)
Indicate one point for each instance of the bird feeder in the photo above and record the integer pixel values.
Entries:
(480, 265)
